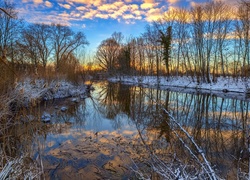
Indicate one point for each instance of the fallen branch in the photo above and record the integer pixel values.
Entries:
(206, 165)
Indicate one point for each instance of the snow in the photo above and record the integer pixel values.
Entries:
(63, 109)
(224, 86)
(46, 117)
(31, 91)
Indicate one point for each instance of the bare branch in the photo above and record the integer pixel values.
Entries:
(6, 12)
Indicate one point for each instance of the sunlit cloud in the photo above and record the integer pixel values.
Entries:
(126, 11)
(149, 1)
(90, 15)
(102, 16)
(66, 6)
(147, 5)
(87, 2)
(108, 7)
(81, 8)
(38, 1)
(48, 4)
(173, 1)
(128, 16)
(154, 14)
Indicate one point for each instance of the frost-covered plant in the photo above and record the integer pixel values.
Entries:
(21, 168)
(173, 167)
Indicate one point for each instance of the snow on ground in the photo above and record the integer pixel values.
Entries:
(224, 86)
(32, 90)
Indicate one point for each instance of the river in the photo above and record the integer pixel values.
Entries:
(111, 134)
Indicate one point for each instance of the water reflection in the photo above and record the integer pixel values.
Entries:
(98, 137)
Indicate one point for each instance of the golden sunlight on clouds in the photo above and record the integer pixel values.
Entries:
(38, 1)
(148, 5)
(128, 16)
(149, 1)
(90, 14)
(66, 6)
(154, 14)
(48, 4)
(87, 2)
(172, 1)
(81, 8)
(103, 16)
(110, 7)
(127, 11)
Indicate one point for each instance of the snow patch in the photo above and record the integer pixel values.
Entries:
(33, 91)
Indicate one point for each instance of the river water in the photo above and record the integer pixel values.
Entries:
(111, 134)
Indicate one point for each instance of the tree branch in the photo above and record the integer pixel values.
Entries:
(6, 12)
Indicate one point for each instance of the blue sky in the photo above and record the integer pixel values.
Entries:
(98, 19)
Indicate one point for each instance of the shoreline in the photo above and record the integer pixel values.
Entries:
(32, 91)
(224, 87)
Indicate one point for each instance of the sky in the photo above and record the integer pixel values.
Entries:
(98, 19)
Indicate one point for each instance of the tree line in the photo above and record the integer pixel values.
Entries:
(31, 47)
(204, 42)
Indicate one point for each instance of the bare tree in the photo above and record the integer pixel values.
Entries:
(29, 47)
(42, 33)
(35, 43)
(9, 31)
(9, 27)
(108, 52)
(243, 28)
(65, 42)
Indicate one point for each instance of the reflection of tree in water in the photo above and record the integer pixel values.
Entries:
(16, 142)
(218, 125)
(18, 139)
(108, 100)
(114, 99)
(164, 123)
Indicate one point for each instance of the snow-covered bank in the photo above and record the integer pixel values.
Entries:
(225, 87)
(32, 91)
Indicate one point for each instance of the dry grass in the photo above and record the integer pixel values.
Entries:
(12, 165)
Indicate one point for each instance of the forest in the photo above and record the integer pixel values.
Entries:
(204, 42)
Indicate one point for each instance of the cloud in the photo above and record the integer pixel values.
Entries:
(172, 1)
(48, 4)
(147, 5)
(87, 2)
(149, 1)
(102, 16)
(128, 11)
(154, 15)
(66, 6)
(116, 6)
(81, 8)
(128, 16)
(38, 2)
(90, 15)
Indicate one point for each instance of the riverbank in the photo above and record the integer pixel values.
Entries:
(32, 91)
(227, 87)
(29, 93)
